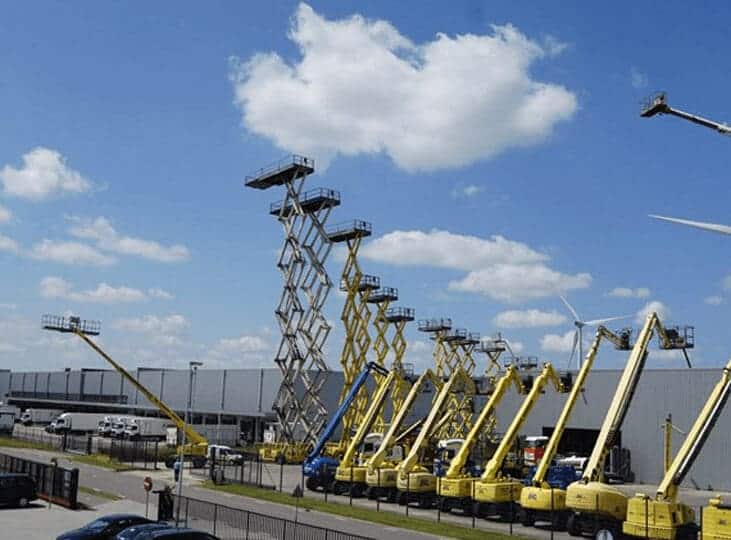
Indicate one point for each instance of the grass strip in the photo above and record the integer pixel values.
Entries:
(448, 530)
(101, 460)
(7, 442)
(99, 493)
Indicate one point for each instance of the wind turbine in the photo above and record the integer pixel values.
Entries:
(580, 324)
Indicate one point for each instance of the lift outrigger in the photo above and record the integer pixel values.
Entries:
(665, 517)
(495, 494)
(595, 507)
(196, 447)
(545, 498)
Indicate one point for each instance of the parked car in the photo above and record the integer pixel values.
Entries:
(17, 489)
(134, 532)
(176, 534)
(104, 528)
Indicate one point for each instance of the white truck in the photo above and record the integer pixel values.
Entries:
(39, 416)
(148, 429)
(74, 422)
(5, 408)
(104, 428)
(119, 425)
(224, 454)
(7, 422)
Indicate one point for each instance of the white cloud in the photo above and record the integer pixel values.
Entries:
(447, 250)
(44, 173)
(101, 231)
(628, 292)
(516, 283)
(56, 287)
(160, 294)
(530, 318)
(467, 192)
(152, 324)
(69, 253)
(8, 306)
(714, 300)
(558, 343)
(243, 351)
(8, 244)
(637, 78)
(361, 87)
(658, 307)
(497, 267)
(5, 215)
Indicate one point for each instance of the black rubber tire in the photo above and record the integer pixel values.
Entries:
(312, 483)
(426, 502)
(572, 526)
(558, 521)
(444, 504)
(170, 461)
(402, 498)
(607, 532)
(391, 496)
(479, 510)
(371, 493)
(22, 502)
(526, 518)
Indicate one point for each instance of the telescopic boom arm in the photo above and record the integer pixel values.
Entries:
(511, 377)
(693, 444)
(658, 104)
(492, 469)
(621, 342)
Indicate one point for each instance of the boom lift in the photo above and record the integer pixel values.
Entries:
(414, 481)
(667, 518)
(493, 493)
(381, 467)
(658, 104)
(196, 447)
(317, 467)
(350, 473)
(594, 505)
(455, 487)
(545, 498)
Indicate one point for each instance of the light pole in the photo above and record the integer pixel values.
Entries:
(192, 368)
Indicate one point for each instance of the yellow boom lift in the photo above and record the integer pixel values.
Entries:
(414, 480)
(542, 501)
(455, 487)
(350, 474)
(381, 466)
(196, 446)
(595, 507)
(667, 518)
(495, 494)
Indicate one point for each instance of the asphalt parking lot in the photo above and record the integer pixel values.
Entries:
(38, 522)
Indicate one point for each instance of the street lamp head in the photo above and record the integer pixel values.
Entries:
(194, 364)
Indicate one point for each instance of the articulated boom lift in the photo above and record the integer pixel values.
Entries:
(545, 498)
(594, 505)
(317, 467)
(196, 447)
(414, 481)
(455, 487)
(665, 517)
(381, 467)
(495, 494)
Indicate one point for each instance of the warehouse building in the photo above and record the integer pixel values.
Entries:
(244, 397)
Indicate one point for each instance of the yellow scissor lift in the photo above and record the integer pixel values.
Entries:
(494, 494)
(540, 501)
(195, 447)
(455, 487)
(595, 507)
(665, 517)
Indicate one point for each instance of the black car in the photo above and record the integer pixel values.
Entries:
(136, 532)
(104, 528)
(176, 534)
(17, 490)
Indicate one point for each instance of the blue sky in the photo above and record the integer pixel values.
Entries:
(138, 124)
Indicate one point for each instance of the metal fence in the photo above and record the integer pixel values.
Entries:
(229, 523)
(59, 484)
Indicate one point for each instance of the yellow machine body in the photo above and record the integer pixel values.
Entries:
(717, 520)
(502, 491)
(384, 476)
(292, 453)
(542, 499)
(648, 518)
(596, 498)
(419, 480)
(456, 488)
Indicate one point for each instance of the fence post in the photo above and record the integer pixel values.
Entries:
(187, 504)
(284, 531)
(553, 520)
(215, 518)
(281, 474)
(350, 488)
(88, 445)
(378, 494)
(474, 506)
(700, 530)
(248, 518)
(439, 499)
(408, 490)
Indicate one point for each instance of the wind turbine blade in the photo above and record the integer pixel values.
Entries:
(573, 348)
(570, 308)
(714, 227)
(597, 322)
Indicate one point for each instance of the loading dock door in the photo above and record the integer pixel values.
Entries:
(578, 441)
